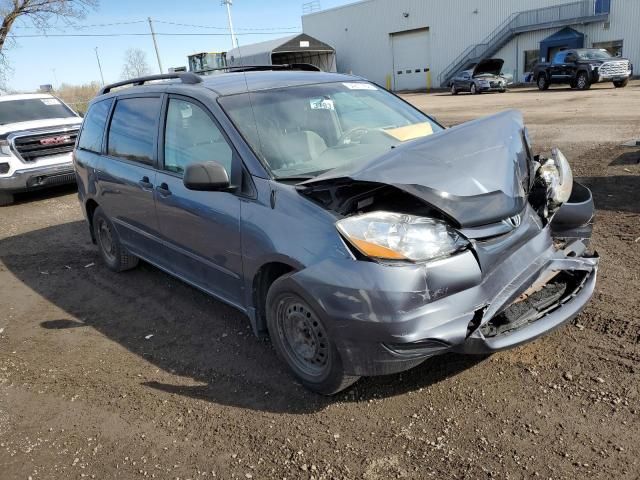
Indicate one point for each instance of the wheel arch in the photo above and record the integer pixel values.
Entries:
(264, 277)
(90, 207)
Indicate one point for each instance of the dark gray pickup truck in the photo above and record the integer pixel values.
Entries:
(583, 67)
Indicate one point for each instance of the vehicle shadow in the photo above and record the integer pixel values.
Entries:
(627, 158)
(614, 193)
(45, 193)
(204, 348)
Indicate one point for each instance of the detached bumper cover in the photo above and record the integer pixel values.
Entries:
(387, 319)
(39, 177)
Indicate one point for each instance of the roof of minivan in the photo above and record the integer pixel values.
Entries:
(239, 82)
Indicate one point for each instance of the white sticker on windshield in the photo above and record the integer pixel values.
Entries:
(360, 86)
(322, 104)
(50, 101)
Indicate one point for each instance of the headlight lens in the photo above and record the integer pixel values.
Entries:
(5, 150)
(557, 174)
(396, 236)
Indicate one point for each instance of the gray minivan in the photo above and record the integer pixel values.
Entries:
(354, 230)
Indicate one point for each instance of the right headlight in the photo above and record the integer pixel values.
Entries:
(557, 174)
(396, 236)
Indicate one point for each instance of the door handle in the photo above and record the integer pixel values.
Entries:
(145, 183)
(163, 189)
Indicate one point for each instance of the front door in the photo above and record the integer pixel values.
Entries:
(200, 230)
(127, 175)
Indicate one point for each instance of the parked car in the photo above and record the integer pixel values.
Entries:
(350, 227)
(486, 76)
(37, 135)
(580, 68)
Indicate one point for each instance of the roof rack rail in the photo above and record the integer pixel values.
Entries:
(185, 77)
(307, 67)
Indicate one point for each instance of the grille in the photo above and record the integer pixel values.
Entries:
(615, 68)
(31, 147)
(495, 84)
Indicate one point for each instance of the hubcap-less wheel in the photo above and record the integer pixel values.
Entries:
(303, 337)
(105, 237)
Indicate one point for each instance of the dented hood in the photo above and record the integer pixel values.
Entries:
(475, 173)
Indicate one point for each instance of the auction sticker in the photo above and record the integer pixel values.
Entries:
(50, 101)
(359, 86)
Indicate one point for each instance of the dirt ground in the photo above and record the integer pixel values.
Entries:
(87, 392)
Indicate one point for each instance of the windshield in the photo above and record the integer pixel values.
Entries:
(303, 131)
(14, 111)
(594, 55)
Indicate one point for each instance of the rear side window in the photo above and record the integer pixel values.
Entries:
(93, 126)
(559, 58)
(133, 129)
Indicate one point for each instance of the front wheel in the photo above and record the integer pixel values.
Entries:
(6, 198)
(474, 90)
(543, 82)
(582, 82)
(114, 254)
(621, 83)
(454, 90)
(300, 338)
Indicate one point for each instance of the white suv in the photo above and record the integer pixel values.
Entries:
(37, 136)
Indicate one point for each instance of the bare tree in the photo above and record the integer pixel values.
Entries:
(42, 13)
(135, 64)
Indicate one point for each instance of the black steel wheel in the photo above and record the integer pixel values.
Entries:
(582, 81)
(115, 256)
(302, 341)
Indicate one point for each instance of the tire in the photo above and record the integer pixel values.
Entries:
(543, 82)
(301, 340)
(113, 253)
(6, 198)
(454, 90)
(474, 90)
(502, 91)
(582, 81)
(622, 83)
(573, 84)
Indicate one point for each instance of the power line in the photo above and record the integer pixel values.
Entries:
(225, 28)
(143, 34)
(83, 26)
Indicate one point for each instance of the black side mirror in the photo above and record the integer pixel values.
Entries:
(206, 176)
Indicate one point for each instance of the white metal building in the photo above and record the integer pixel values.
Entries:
(418, 44)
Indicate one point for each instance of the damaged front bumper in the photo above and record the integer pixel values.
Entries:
(386, 319)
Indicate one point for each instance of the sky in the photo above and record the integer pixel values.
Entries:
(72, 60)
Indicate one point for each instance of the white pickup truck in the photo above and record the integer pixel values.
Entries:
(37, 136)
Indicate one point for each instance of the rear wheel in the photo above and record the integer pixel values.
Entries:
(454, 90)
(114, 254)
(621, 83)
(543, 82)
(6, 198)
(582, 81)
(302, 341)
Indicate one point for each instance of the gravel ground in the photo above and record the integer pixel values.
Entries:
(135, 375)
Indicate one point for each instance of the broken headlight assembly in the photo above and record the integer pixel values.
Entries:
(555, 179)
(396, 236)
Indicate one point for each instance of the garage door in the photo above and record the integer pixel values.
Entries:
(411, 59)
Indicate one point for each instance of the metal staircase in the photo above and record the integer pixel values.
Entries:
(582, 12)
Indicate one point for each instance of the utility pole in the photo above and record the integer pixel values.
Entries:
(155, 44)
(55, 78)
(228, 3)
(99, 66)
